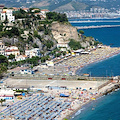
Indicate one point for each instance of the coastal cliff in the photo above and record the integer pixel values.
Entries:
(64, 32)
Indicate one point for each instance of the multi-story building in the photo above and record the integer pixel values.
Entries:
(7, 14)
(12, 50)
(32, 52)
(2, 48)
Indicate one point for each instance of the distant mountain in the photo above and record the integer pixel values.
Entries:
(72, 6)
(62, 5)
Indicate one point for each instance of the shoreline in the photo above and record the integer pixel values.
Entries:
(107, 91)
(74, 112)
(99, 54)
(96, 63)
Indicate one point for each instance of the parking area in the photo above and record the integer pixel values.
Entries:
(43, 83)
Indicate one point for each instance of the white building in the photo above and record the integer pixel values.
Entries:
(63, 46)
(12, 50)
(26, 71)
(7, 13)
(49, 63)
(44, 11)
(32, 52)
(2, 48)
(21, 57)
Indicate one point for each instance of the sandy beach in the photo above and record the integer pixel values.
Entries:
(70, 65)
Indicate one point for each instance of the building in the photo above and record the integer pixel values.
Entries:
(7, 14)
(36, 9)
(44, 11)
(12, 50)
(21, 57)
(32, 52)
(26, 71)
(2, 48)
(25, 9)
(15, 9)
(1, 8)
(50, 63)
(63, 46)
(6, 94)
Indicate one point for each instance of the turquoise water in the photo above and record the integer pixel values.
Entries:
(105, 108)
(108, 36)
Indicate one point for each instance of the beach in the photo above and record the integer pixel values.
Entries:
(70, 65)
(79, 92)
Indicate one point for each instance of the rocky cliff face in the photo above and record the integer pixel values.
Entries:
(62, 32)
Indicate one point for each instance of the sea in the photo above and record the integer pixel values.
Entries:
(106, 107)
(108, 36)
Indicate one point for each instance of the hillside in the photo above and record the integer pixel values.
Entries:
(62, 5)
(72, 6)
(32, 32)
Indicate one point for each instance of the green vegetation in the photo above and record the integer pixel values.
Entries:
(74, 44)
(57, 17)
(44, 58)
(3, 64)
(1, 101)
(96, 43)
(81, 31)
(11, 56)
(49, 44)
(33, 61)
(20, 14)
(9, 32)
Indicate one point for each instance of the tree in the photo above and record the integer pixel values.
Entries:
(15, 31)
(11, 56)
(35, 33)
(74, 44)
(30, 39)
(1, 101)
(35, 45)
(81, 32)
(3, 69)
(56, 17)
(3, 59)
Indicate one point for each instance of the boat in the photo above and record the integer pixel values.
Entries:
(86, 75)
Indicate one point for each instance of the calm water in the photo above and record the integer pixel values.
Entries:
(107, 107)
(108, 36)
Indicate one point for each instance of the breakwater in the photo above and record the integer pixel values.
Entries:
(101, 26)
(114, 88)
(89, 21)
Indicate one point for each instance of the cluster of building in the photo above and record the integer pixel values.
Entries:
(92, 13)
(7, 13)
(4, 50)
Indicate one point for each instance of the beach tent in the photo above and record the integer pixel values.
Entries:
(63, 95)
